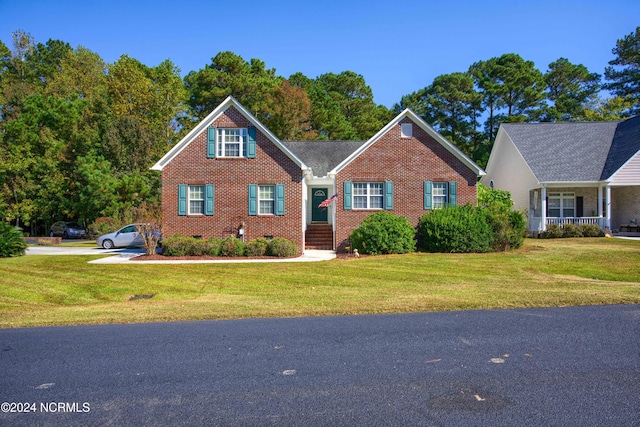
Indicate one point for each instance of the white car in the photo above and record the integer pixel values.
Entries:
(126, 236)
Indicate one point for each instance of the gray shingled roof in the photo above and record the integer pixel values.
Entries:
(322, 156)
(626, 143)
(564, 152)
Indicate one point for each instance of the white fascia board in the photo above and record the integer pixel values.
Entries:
(204, 123)
(428, 129)
(567, 184)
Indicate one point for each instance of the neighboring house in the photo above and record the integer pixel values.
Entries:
(570, 172)
(231, 175)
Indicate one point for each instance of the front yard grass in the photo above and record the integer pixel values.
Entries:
(66, 290)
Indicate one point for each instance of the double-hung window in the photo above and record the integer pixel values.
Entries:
(266, 199)
(561, 205)
(196, 200)
(232, 142)
(439, 195)
(368, 195)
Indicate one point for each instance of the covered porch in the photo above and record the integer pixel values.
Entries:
(576, 204)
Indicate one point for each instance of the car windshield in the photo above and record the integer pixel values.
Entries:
(73, 225)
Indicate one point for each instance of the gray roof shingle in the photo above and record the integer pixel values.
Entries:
(322, 156)
(626, 143)
(564, 152)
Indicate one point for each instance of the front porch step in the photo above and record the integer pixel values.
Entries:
(319, 236)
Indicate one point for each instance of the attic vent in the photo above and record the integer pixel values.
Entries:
(406, 130)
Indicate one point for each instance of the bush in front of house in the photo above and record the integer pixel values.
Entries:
(257, 247)
(232, 247)
(508, 226)
(11, 241)
(591, 230)
(384, 233)
(556, 231)
(457, 229)
(178, 245)
(281, 247)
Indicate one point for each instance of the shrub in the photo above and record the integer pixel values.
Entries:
(11, 241)
(212, 246)
(457, 229)
(177, 245)
(553, 231)
(571, 230)
(591, 230)
(257, 247)
(384, 233)
(508, 229)
(232, 246)
(281, 247)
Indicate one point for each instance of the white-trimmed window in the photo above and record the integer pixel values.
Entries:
(196, 200)
(266, 199)
(561, 205)
(406, 130)
(368, 195)
(439, 195)
(232, 142)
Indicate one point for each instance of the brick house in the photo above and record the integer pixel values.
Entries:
(231, 175)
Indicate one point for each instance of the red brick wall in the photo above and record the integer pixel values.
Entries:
(408, 162)
(231, 178)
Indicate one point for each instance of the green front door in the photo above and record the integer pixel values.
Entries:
(318, 195)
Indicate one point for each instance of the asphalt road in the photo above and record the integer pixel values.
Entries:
(524, 367)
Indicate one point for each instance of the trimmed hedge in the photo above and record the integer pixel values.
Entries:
(457, 229)
(555, 231)
(178, 245)
(384, 233)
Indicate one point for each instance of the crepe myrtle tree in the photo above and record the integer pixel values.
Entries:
(149, 224)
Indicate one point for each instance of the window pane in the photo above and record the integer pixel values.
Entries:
(359, 189)
(360, 202)
(266, 196)
(232, 150)
(376, 188)
(439, 195)
(376, 202)
(266, 206)
(196, 199)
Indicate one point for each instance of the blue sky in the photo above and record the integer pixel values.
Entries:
(399, 47)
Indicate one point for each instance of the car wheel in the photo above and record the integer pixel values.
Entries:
(107, 244)
(65, 235)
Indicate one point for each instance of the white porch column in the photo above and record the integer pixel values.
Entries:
(608, 218)
(600, 201)
(543, 215)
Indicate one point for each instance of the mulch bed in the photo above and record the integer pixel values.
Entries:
(221, 258)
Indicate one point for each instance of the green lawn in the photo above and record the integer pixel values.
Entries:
(65, 290)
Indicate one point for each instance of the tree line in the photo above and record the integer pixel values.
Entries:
(78, 135)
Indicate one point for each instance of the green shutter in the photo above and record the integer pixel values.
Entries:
(182, 199)
(427, 195)
(279, 199)
(253, 199)
(211, 142)
(347, 195)
(208, 201)
(388, 195)
(251, 142)
(453, 193)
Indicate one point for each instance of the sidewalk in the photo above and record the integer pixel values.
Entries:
(308, 256)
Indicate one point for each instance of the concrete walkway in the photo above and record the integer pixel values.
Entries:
(308, 256)
(123, 256)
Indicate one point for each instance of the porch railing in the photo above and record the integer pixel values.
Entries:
(536, 222)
